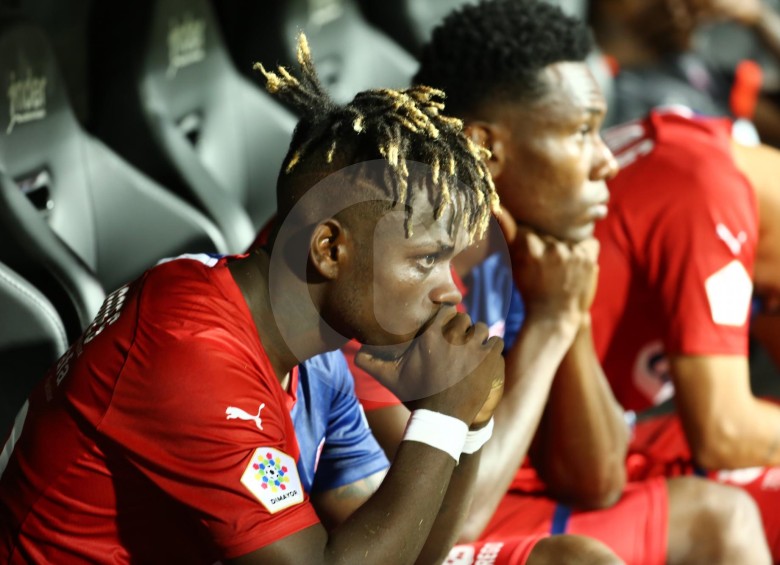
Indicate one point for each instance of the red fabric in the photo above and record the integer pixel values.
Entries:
(635, 528)
(168, 359)
(678, 195)
(508, 551)
(659, 448)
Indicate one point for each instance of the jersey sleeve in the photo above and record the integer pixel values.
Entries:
(699, 254)
(209, 428)
(350, 452)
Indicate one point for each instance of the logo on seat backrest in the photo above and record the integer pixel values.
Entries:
(186, 42)
(26, 99)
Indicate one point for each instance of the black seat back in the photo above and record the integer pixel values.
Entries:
(104, 217)
(32, 337)
(350, 54)
(188, 116)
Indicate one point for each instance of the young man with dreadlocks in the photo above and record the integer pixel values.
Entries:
(516, 72)
(167, 432)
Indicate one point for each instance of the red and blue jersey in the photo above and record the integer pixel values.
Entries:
(164, 435)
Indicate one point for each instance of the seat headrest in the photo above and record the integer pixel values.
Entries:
(33, 98)
(184, 55)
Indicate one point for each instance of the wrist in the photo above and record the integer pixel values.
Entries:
(477, 437)
(440, 431)
(562, 320)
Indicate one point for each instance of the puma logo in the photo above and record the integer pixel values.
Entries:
(733, 243)
(234, 413)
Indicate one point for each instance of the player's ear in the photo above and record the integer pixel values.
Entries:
(491, 137)
(327, 248)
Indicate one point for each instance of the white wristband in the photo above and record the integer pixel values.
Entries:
(476, 439)
(437, 430)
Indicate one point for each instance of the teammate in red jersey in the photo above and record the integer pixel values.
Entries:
(691, 233)
(515, 71)
(165, 434)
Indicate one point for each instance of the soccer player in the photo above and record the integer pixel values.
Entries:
(166, 432)
(692, 231)
(515, 72)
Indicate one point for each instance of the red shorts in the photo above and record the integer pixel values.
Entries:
(659, 448)
(635, 528)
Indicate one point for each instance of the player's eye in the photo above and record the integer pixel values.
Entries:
(426, 262)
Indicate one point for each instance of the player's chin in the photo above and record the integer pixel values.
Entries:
(580, 232)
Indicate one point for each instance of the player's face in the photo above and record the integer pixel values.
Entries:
(556, 163)
(396, 285)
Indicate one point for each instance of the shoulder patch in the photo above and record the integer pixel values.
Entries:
(272, 477)
(728, 292)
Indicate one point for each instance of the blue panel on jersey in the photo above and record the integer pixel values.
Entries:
(493, 297)
(328, 417)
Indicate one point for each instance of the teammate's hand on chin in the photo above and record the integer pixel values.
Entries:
(452, 368)
(557, 280)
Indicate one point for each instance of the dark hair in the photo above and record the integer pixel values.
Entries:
(494, 50)
(397, 126)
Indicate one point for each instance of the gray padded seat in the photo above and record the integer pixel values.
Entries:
(75, 219)
(32, 337)
(350, 54)
(168, 98)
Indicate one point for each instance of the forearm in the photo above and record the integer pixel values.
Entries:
(453, 512)
(582, 441)
(530, 368)
(748, 436)
(726, 426)
(393, 525)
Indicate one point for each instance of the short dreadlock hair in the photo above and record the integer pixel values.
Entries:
(396, 126)
(494, 51)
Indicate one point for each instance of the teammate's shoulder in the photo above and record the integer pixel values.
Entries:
(669, 135)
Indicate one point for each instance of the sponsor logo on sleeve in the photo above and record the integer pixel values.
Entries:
(272, 477)
(728, 292)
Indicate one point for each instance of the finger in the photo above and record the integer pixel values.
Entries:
(480, 332)
(495, 344)
(507, 224)
(385, 370)
(561, 249)
(458, 327)
(534, 244)
(589, 249)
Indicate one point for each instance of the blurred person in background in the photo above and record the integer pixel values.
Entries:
(657, 61)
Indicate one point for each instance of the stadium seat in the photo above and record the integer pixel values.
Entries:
(75, 219)
(350, 54)
(167, 97)
(32, 337)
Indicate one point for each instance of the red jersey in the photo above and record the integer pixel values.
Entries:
(162, 435)
(677, 253)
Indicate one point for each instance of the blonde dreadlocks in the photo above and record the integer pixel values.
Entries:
(398, 126)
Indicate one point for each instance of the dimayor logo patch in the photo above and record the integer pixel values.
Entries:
(273, 478)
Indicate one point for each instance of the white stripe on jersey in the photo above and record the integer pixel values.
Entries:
(13, 437)
(204, 258)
